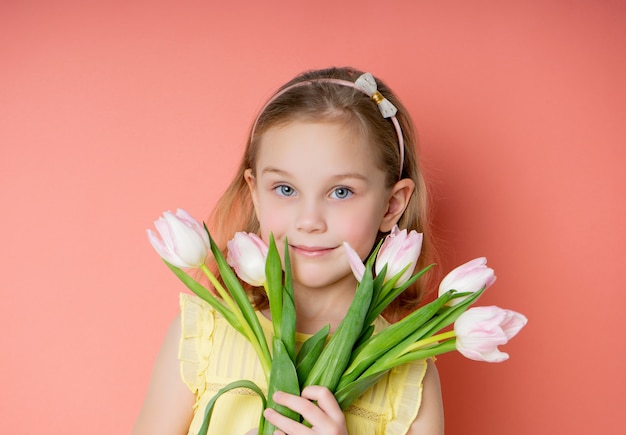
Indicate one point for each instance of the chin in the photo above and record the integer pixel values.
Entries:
(316, 279)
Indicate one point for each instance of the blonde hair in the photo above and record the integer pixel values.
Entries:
(322, 101)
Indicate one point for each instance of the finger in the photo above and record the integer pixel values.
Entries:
(325, 417)
(325, 400)
(284, 424)
(303, 406)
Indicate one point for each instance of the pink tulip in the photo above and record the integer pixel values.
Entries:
(398, 251)
(357, 266)
(481, 330)
(184, 241)
(469, 277)
(247, 254)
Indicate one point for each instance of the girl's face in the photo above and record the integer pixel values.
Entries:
(316, 184)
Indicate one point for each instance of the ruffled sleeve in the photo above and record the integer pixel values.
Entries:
(406, 385)
(198, 325)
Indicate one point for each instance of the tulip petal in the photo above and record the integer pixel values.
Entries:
(468, 277)
(391, 245)
(188, 245)
(513, 323)
(247, 254)
(194, 224)
(494, 356)
(163, 251)
(399, 251)
(184, 242)
(356, 264)
(166, 244)
(481, 330)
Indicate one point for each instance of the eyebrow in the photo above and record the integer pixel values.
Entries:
(272, 170)
(281, 172)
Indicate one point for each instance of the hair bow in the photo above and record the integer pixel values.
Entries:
(367, 84)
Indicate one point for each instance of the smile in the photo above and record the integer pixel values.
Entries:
(311, 251)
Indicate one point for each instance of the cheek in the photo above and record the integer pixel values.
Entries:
(361, 235)
(270, 222)
(362, 228)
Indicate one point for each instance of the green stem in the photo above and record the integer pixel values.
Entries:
(220, 289)
(428, 341)
(265, 362)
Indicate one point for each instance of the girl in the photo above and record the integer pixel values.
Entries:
(330, 159)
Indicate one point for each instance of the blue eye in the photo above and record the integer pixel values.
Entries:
(285, 190)
(341, 193)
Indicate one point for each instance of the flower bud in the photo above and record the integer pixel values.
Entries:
(247, 254)
(481, 330)
(398, 251)
(469, 277)
(184, 241)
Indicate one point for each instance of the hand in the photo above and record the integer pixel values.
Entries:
(325, 417)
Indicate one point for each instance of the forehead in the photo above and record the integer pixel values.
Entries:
(316, 145)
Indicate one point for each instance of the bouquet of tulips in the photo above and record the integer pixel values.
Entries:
(353, 358)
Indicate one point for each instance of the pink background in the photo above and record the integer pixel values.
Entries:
(112, 112)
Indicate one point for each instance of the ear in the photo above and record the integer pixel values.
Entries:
(251, 182)
(399, 197)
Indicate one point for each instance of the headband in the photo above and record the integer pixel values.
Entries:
(366, 84)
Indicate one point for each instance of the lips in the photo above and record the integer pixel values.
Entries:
(311, 251)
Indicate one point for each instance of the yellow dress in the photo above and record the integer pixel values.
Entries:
(213, 354)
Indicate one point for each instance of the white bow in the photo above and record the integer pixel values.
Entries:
(367, 84)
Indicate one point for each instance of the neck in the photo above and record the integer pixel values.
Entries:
(317, 307)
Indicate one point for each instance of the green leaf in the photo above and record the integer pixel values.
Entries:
(372, 258)
(288, 329)
(283, 377)
(446, 346)
(240, 296)
(208, 412)
(379, 282)
(367, 333)
(392, 339)
(310, 352)
(274, 277)
(206, 295)
(347, 395)
(390, 358)
(389, 293)
(336, 355)
(450, 315)
(397, 356)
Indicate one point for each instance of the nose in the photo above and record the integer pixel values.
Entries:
(310, 217)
